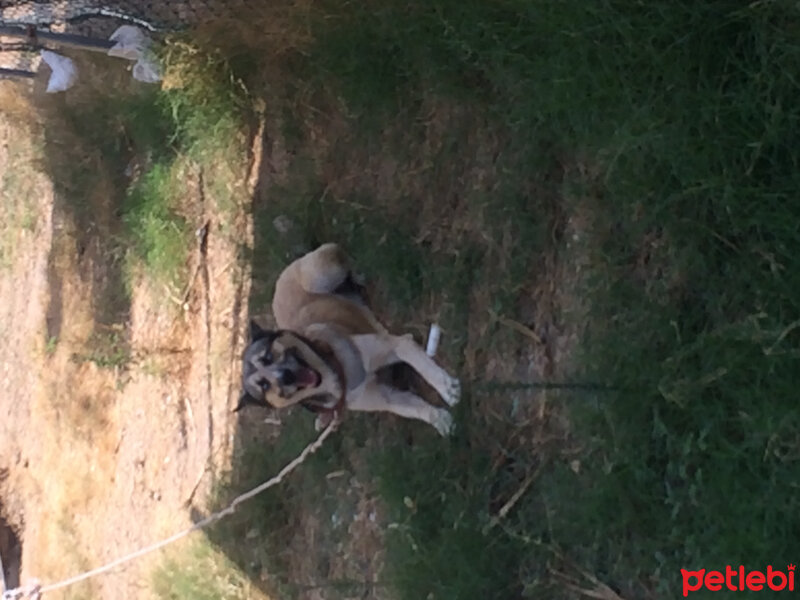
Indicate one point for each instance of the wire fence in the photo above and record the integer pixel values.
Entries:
(95, 20)
(153, 14)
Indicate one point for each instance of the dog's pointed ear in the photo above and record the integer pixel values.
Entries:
(246, 399)
(256, 332)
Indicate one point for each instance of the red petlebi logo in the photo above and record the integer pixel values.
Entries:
(738, 580)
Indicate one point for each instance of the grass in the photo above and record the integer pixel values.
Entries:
(442, 535)
(204, 575)
(159, 233)
(139, 141)
(123, 159)
(17, 198)
(100, 144)
(51, 345)
(73, 559)
(676, 123)
(273, 555)
(109, 350)
(383, 243)
(448, 145)
(205, 96)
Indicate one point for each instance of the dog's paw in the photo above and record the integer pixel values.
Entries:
(452, 391)
(443, 422)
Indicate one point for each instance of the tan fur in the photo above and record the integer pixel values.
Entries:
(303, 295)
(304, 302)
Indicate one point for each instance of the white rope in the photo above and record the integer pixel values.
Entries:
(31, 592)
(34, 591)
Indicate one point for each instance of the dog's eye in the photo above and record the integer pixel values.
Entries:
(266, 360)
(264, 385)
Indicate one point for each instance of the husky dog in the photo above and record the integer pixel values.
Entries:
(328, 348)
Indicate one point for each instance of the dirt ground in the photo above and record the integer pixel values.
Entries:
(98, 459)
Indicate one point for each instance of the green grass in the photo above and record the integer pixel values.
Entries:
(269, 522)
(460, 138)
(51, 345)
(98, 142)
(159, 233)
(441, 544)
(682, 119)
(205, 96)
(124, 157)
(382, 245)
(109, 350)
(199, 573)
(137, 141)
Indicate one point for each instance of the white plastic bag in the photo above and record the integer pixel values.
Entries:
(64, 72)
(146, 71)
(133, 44)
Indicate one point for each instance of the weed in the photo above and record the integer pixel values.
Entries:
(108, 350)
(160, 236)
(51, 345)
(206, 98)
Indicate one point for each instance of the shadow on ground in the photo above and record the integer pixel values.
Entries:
(98, 138)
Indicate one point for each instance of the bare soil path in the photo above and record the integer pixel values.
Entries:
(99, 455)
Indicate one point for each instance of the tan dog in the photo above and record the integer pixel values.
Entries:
(329, 348)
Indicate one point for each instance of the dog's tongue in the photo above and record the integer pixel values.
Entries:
(307, 378)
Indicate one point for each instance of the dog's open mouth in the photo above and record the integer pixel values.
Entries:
(307, 378)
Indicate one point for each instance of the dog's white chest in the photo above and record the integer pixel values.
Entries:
(349, 357)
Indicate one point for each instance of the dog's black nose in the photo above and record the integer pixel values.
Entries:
(288, 377)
